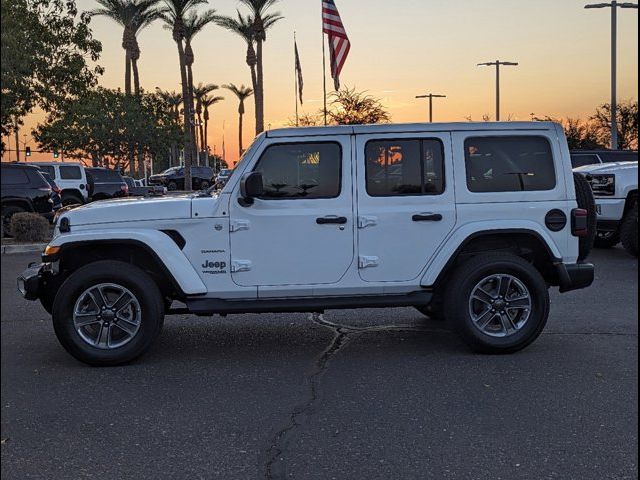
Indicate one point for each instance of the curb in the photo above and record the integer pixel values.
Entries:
(24, 248)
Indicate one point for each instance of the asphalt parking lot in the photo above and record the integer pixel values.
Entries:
(371, 394)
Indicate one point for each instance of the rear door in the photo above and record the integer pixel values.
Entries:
(406, 202)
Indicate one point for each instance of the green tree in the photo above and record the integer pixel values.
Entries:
(133, 16)
(107, 125)
(174, 15)
(243, 27)
(199, 92)
(46, 47)
(349, 107)
(242, 93)
(208, 102)
(627, 120)
(263, 20)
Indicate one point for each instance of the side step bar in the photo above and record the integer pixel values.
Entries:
(210, 306)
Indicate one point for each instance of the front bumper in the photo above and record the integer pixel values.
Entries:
(574, 276)
(609, 209)
(30, 281)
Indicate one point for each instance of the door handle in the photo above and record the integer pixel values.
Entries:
(329, 220)
(426, 217)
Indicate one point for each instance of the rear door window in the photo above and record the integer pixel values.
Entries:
(50, 169)
(509, 164)
(70, 172)
(14, 176)
(105, 176)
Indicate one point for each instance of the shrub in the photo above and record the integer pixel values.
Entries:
(29, 227)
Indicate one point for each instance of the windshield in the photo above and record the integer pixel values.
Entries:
(225, 172)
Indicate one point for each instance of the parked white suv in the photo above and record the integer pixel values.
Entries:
(470, 221)
(615, 186)
(70, 178)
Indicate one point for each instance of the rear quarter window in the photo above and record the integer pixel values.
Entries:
(14, 176)
(509, 164)
(70, 172)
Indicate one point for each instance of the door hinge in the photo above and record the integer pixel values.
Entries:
(237, 225)
(365, 261)
(240, 266)
(365, 221)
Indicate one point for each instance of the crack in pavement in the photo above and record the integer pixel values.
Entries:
(274, 454)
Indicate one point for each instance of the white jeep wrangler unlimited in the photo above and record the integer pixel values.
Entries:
(615, 187)
(472, 222)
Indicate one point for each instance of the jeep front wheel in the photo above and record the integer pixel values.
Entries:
(498, 303)
(107, 313)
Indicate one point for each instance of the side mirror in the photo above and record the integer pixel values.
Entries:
(250, 187)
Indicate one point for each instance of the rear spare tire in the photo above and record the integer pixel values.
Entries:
(585, 200)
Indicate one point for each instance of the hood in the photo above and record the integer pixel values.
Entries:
(613, 167)
(131, 209)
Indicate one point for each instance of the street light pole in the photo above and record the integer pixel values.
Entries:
(614, 5)
(431, 96)
(497, 64)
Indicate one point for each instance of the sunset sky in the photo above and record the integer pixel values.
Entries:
(400, 49)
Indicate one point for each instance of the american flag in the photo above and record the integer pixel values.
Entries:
(339, 44)
(298, 70)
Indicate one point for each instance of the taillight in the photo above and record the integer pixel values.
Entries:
(579, 222)
(124, 188)
(56, 189)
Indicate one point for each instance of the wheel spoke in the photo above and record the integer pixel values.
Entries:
(507, 323)
(123, 300)
(504, 283)
(126, 326)
(485, 319)
(98, 297)
(520, 302)
(87, 319)
(483, 296)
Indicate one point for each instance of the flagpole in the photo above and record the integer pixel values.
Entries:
(295, 76)
(324, 76)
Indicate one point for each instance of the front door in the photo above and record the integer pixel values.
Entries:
(406, 203)
(301, 231)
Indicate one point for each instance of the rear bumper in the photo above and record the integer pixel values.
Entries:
(574, 276)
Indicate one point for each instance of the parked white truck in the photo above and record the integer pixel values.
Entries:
(470, 221)
(615, 187)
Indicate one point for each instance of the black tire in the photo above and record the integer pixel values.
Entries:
(172, 186)
(629, 231)
(71, 199)
(458, 296)
(8, 212)
(585, 200)
(606, 239)
(141, 286)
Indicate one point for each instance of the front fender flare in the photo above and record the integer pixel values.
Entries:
(155, 242)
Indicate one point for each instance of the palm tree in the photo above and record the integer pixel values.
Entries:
(243, 27)
(207, 102)
(133, 16)
(174, 15)
(199, 93)
(173, 100)
(242, 93)
(262, 21)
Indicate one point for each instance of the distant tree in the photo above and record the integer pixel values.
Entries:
(107, 125)
(242, 93)
(46, 48)
(306, 120)
(627, 120)
(349, 107)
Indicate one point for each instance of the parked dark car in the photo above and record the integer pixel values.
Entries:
(144, 190)
(105, 184)
(223, 177)
(173, 178)
(56, 196)
(24, 189)
(580, 158)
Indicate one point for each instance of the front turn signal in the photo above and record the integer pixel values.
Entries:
(51, 250)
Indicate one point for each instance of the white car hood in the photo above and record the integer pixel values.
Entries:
(131, 209)
(613, 167)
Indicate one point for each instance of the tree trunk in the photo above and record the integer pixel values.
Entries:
(240, 135)
(201, 129)
(127, 73)
(259, 91)
(192, 118)
(136, 76)
(188, 145)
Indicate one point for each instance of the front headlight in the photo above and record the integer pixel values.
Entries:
(602, 184)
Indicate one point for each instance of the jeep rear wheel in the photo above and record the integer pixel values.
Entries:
(629, 231)
(171, 186)
(498, 303)
(107, 313)
(586, 201)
